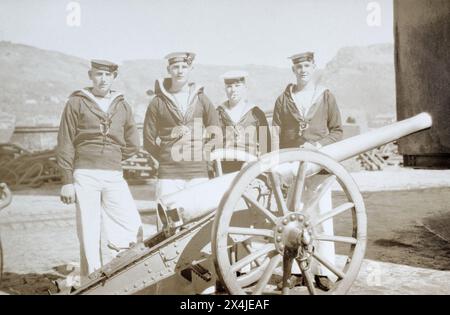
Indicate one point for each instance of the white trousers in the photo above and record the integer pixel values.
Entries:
(106, 213)
(169, 186)
(322, 248)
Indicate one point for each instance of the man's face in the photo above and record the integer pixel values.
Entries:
(236, 91)
(102, 80)
(179, 72)
(304, 70)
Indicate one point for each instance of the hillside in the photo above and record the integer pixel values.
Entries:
(363, 80)
(36, 82)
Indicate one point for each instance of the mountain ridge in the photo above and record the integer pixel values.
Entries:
(36, 82)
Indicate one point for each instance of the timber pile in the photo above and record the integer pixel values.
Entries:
(381, 157)
(20, 168)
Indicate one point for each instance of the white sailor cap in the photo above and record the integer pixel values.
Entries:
(104, 65)
(234, 76)
(305, 56)
(183, 56)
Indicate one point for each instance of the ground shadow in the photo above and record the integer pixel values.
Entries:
(29, 284)
(416, 247)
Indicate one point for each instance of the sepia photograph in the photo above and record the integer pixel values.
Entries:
(224, 148)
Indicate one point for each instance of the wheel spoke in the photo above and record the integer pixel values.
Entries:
(288, 259)
(309, 282)
(306, 273)
(323, 188)
(299, 186)
(253, 256)
(250, 231)
(249, 250)
(218, 167)
(274, 261)
(338, 210)
(233, 253)
(326, 185)
(281, 205)
(329, 266)
(252, 276)
(333, 238)
(263, 210)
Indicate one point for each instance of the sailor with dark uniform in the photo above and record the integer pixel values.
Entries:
(244, 124)
(173, 127)
(97, 132)
(306, 115)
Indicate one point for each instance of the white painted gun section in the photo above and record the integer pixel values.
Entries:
(195, 202)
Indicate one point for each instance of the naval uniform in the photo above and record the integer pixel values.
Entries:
(320, 125)
(94, 136)
(170, 136)
(247, 131)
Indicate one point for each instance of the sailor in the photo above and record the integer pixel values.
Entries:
(306, 115)
(174, 126)
(244, 124)
(97, 132)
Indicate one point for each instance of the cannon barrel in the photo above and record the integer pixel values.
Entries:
(353, 146)
(194, 202)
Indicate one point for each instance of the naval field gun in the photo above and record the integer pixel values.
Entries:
(251, 233)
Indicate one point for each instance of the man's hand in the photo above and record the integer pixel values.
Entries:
(68, 194)
(309, 146)
(5, 196)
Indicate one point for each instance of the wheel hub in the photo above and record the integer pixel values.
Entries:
(292, 231)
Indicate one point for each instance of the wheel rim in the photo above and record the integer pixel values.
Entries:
(293, 221)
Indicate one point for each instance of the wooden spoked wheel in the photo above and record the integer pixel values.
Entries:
(282, 239)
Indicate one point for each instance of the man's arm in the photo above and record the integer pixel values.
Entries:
(276, 125)
(210, 115)
(5, 196)
(334, 122)
(214, 133)
(150, 129)
(210, 118)
(131, 135)
(263, 132)
(65, 151)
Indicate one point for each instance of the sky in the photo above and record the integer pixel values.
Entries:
(220, 32)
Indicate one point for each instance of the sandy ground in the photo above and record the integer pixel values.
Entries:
(38, 234)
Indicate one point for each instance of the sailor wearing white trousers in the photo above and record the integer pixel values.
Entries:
(306, 115)
(175, 130)
(97, 132)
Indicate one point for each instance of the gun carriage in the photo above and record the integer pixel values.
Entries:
(255, 231)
